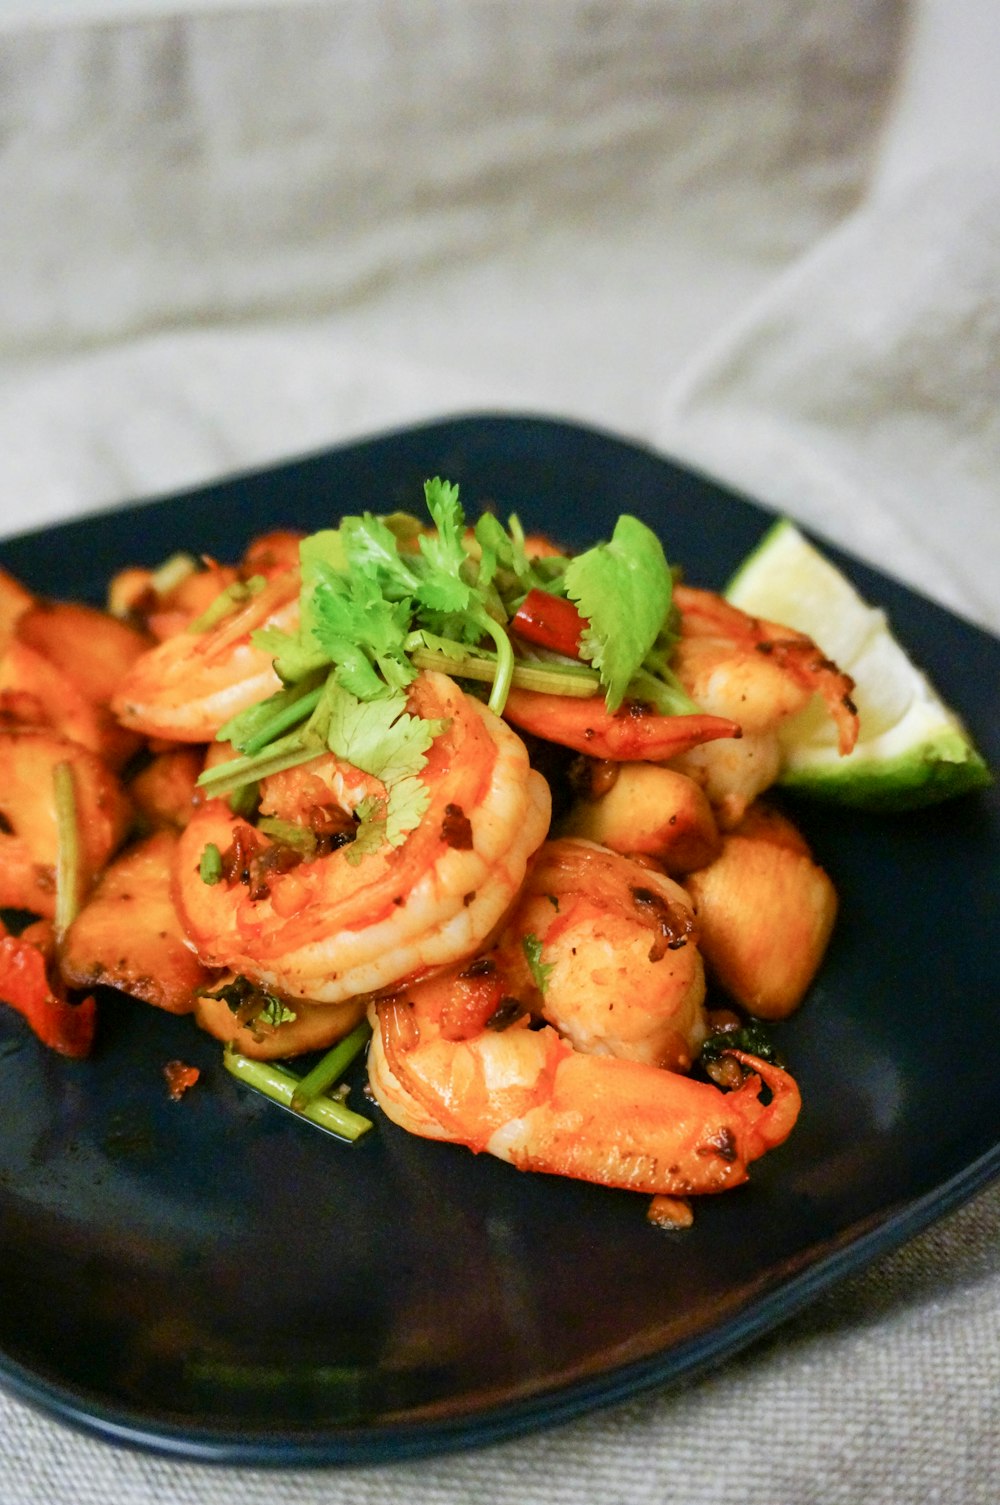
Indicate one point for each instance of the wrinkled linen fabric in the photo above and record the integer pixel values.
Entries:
(761, 235)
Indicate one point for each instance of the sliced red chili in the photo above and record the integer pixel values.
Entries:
(550, 622)
(24, 984)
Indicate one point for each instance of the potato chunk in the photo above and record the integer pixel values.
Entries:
(35, 691)
(128, 935)
(15, 599)
(29, 842)
(315, 1026)
(653, 811)
(92, 647)
(164, 791)
(765, 914)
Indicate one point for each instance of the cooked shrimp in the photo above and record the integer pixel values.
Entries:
(631, 733)
(615, 945)
(188, 686)
(328, 929)
(759, 673)
(526, 1096)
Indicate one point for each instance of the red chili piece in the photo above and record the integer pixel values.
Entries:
(550, 621)
(24, 984)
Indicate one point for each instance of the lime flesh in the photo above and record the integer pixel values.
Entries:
(912, 748)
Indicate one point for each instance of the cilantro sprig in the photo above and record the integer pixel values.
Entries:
(382, 598)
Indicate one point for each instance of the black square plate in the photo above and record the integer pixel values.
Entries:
(217, 1280)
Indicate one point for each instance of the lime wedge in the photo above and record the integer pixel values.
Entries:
(912, 749)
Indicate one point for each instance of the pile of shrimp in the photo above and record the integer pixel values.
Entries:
(541, 960)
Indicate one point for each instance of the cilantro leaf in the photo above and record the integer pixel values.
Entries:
(444, 587)
(380, 737)
(361, 632)
(373, 548)
(623, 589)
(540, 971)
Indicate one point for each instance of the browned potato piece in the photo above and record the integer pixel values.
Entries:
(270, 553)
(28, 829)
(57, 700)
(765, 913)
(186, 602)
(91, 646)
(128, 935)
(653, 811)
(15, 599)
(163, 792)
(316, 1026)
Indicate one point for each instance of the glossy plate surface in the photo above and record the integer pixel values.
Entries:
(218, 1280)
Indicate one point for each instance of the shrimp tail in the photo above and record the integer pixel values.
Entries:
(632, 734)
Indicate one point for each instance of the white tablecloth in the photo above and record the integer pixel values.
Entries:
(763, 235)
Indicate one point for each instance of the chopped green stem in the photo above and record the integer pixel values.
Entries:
(229, 601)
(171, 572)
(288, 752)
(505, 664)
(247, 725)
(550, 679)
(279, 1085)
(331, 1067)
(283, 720)
(67, 849)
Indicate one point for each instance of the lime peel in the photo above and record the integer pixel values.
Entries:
(912, 749)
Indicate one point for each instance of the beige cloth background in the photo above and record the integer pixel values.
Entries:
(761, 234)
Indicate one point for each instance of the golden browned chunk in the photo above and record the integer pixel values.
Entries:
(765, 913)
(163, 792)
(310, 1026)
(650, 810)
(128, 936)
(89, 645)
(35, 691)
(15, 599)
(28, 826)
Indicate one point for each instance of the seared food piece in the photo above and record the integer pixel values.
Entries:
(266, 1028)
(605, 950)
(649, 810)
(765, 914)
(164, 791)
(14, 602)
(89, 645)
(29, 821)
(128, 935)
(308, 913)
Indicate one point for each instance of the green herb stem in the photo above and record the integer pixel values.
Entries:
(279, 1085)
(287, 752)
(167, 576)
(283, 720)
(505, 664)
(331, 1067)
(549, 679)
(68, 870)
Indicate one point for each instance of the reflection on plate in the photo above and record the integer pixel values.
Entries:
(215, 1279)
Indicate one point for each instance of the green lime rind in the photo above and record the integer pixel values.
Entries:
(916, 751)
(940, 769)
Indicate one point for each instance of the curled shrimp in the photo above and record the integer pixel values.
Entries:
(754, 670)
(189, 685)
(760, 673)
(616, 965)
(328, 929)
(526, 1096)
(566, 1072)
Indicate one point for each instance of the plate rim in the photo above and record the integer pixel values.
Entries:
(852, 1250)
